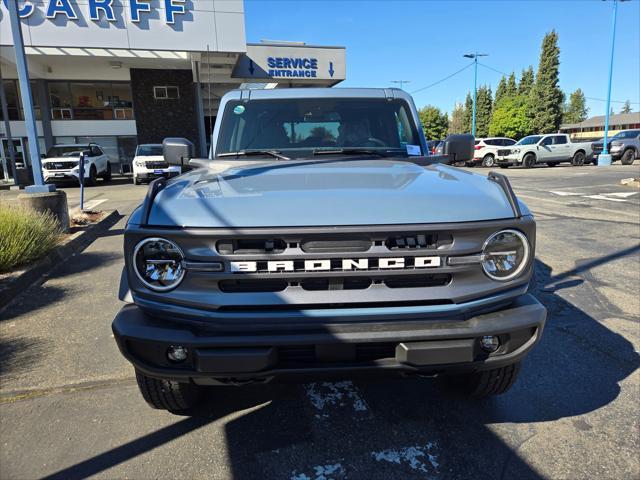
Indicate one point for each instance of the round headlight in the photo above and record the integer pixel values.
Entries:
(505, 254)
(159, 264)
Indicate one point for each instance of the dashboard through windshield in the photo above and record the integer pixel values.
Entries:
(300, 127)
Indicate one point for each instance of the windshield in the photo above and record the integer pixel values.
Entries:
(301, 126)
(67, 151)
(628, 134)
(148, 150)
(530, 140)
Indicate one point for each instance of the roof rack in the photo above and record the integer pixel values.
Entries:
(503, 181)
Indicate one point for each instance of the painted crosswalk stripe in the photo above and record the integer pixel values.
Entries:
(94, 203)
(604, 197)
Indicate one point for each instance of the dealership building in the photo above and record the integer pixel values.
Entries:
(124, 72)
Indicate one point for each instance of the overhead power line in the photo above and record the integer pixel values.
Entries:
(443, 79)
(588, 98)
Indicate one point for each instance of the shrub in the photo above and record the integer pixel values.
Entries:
(25, 236)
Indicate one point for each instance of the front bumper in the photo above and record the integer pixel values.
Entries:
(508, 160)
(427, 346)
(51, 176)
(152, 174)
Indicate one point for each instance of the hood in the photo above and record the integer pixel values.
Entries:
(326, 193)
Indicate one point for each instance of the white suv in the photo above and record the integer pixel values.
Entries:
(486, 150)
(149, 164)
(61, 163)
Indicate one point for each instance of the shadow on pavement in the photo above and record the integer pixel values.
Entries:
(410, 428)
(20, 355)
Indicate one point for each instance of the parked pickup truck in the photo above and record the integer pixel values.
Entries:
(319, 240)
(551, 149)
(624, 146)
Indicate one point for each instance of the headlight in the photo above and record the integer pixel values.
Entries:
(505, 254)
(140, 163)
(159, 264)
(517, 150)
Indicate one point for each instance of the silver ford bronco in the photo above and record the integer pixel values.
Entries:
(319, 240)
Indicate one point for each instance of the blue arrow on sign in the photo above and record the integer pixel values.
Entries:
(331, 68)
(251, 69)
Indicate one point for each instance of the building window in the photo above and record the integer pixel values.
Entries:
(14, 103)
(166, 93)
(90, 101)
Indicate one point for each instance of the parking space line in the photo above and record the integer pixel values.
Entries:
(93, 203)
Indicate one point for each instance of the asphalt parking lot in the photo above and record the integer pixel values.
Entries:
(69, 406)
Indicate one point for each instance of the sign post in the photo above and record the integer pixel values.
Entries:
(83, 155)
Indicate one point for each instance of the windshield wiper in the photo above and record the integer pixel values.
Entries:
(247, 153)
(348, 151)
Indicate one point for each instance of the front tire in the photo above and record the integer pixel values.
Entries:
(627, 157)
(529, 160)
(484, 383)
(93, 176)
(167, 394)
(578, 159)
(106, 176)
(488, 161)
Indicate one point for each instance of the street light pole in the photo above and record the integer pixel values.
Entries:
(605, 158)
(475, 86)
(27, 102)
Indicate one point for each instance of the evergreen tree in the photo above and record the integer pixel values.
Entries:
(626, 108)
(434, 123)
(546, 99)
(526, 81)
(509, 118)
(512, 88)
(576, 110)
(457, 123)
(483, 111)
(501, 90)
(468, 112)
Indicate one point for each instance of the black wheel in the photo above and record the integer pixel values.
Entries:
(552, 164)
(488, 161)
(529, 160)
(628, 157)
(106, 176)
(578, 159)
(93, 176)
(167, 394)
(485, 383)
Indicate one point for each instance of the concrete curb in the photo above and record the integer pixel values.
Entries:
(12, 287)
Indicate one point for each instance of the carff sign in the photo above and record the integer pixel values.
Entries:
(175, 25)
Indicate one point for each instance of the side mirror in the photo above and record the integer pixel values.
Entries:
(459, 147)
(177, 151)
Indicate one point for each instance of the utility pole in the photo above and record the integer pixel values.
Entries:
(401, 82)
(475, 86)
(27, 102)
(604, 159)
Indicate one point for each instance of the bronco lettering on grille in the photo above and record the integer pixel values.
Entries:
(345, 264)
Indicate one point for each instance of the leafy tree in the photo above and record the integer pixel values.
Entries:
(546, 99)
(501, 90)
(483, 110)
(457, 123)
(434, 123)
(511, 88)
(626, 108)
(510, 119)
(576, 110)
(527, 80)
(323, 134)
(468, 112)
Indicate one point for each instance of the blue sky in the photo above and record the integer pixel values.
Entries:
(423, 41)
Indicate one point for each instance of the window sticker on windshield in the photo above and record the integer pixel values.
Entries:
(238, 109)
(414, 150)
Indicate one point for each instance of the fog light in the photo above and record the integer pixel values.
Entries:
(177, 353)
(490, 343)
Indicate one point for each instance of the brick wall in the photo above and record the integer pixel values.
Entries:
(158, 119)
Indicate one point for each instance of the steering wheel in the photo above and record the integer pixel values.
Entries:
(376, 142)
